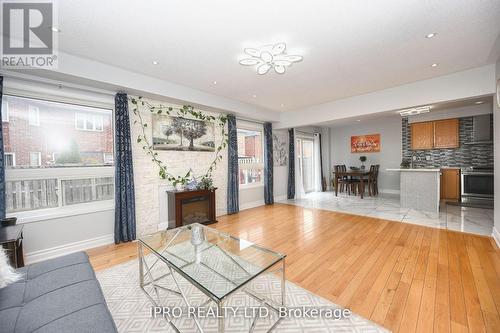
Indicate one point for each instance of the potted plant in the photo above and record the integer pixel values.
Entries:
(405, 164)
(363, 160)
(206, 183)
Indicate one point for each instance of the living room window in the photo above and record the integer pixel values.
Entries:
(53, 167)
(250, 156)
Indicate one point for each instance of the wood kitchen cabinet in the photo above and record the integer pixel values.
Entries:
(435, 134)
(446, 133)
(450, 184)
(422, 135)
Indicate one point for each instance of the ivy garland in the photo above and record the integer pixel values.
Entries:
(184, 112)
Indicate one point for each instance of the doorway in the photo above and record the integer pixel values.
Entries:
(305, 163)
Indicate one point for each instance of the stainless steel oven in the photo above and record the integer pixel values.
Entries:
(477, 184)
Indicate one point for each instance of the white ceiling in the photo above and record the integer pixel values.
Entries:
(350, 47)
(486, 102)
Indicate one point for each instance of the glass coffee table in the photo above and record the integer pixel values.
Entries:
(216, 263)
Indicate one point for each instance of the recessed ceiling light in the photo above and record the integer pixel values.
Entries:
(254, 96)
(479, 102)
(215, 82)
(55, 29)
(156, 62)
(282, 105)
(432, 34)
(434, 65)
(358, 120)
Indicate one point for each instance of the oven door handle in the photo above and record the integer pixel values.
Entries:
(477, 173)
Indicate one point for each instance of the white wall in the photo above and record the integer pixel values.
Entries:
(54, 237)
(496, 136)
(465, 111)
(147, 182)
(389, 129)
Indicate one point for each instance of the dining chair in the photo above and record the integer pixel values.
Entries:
(343, 182)
(371, 180)
(375, 182)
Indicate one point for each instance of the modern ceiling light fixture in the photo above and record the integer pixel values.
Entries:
(434, 65)
(479, 102)
(269, 57)
(431, 35)
(155, 62)
(415, 111)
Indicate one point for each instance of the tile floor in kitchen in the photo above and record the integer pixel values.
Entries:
(386, 206)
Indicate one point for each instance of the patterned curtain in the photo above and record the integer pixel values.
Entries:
(233, 205)
(124, 174)
(291, 164)
(2, 164)
(268, 164)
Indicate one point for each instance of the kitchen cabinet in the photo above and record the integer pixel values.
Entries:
(422, 135)
(435, 134)
(450, 184)
(446, 133)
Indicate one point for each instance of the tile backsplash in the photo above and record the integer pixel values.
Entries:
(477, 155)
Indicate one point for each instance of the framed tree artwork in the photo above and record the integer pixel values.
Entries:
(184, 134)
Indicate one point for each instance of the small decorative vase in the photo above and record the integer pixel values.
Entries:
(197, 235)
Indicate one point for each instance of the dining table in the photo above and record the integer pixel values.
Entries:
(360, 174)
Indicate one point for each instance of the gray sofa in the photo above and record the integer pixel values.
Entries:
(56, 295)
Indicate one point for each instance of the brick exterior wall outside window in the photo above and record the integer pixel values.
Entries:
(55, 135)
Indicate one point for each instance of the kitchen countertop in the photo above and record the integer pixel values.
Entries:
(415, 170)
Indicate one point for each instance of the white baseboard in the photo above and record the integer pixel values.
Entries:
(388, 191)
(496, 236)
(61, 250)
(280, 198)
(251, 204)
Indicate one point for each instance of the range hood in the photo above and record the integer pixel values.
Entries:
(481, 130)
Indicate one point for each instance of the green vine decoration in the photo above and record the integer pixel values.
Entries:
(187, 111)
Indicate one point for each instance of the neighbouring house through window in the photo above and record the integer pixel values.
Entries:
(9, 159)
(250, 156)
(35, 159)
(5, 111)
(89, 122)
(34, 115)
(57, 155)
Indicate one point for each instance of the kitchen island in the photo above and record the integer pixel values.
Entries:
(419, 188)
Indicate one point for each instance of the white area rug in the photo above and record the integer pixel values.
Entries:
(131, 309)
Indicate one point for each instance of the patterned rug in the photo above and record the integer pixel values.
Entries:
(131, 309)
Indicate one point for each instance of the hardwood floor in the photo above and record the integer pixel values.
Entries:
(405, 277)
